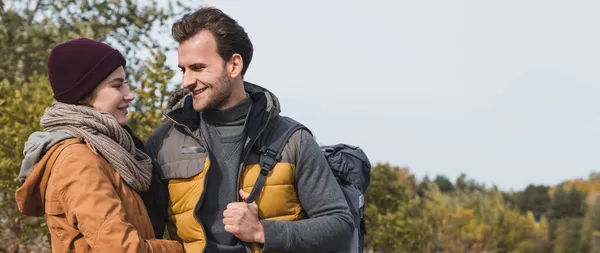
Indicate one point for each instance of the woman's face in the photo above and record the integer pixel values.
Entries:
(113, 96)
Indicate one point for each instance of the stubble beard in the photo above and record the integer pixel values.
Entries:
(219, 96)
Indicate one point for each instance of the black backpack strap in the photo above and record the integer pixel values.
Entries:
(272, 142)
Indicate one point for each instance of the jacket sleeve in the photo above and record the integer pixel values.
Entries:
(88, 193)
(330, 226)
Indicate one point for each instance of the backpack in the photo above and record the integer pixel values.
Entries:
(349, 164)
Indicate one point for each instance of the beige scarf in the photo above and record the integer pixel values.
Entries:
(105, 134)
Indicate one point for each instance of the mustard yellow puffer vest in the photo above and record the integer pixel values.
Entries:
(178, 150)
(277, 201)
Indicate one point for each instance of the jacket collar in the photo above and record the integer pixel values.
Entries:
(265, 107)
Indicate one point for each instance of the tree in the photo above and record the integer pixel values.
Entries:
(28, 32)
(581, 185)
(472, 223)
(444, 184)
(522, 233)
(568, 235)
(595, 247)
(396, 220)
(152, 95)
(471, 220)
(594, 176)
(534, 198)
(591, 225)
(567, 204)
(19, 116)
(31, 29)
(464, 184)
(577, 205)
(565, 215)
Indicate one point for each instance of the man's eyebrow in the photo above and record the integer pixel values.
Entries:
(197, 65)
(194, 65)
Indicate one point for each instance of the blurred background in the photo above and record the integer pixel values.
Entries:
(479, 116)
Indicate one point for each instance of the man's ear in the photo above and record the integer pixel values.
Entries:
(235, 66)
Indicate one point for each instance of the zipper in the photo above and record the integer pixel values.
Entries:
(197, 206)
(244, 159)
(187, 129)
(246, 245)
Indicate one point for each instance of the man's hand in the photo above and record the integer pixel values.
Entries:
(241, 219)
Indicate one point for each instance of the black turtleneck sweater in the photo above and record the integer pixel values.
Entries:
(224, 133)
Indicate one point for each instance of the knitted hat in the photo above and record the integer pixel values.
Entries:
(77, 67)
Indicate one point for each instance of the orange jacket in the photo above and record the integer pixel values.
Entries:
(88, 207)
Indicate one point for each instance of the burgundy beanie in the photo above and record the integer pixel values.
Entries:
(77, 67)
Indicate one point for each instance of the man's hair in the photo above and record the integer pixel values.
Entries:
(229, 35)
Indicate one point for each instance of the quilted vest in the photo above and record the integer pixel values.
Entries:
(186, 173)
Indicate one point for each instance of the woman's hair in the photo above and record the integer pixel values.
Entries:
(86, 99)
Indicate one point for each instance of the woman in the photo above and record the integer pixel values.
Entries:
(84, 170)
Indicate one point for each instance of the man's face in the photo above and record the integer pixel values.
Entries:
(204, 72)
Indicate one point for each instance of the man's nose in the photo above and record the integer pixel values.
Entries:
(188, 81)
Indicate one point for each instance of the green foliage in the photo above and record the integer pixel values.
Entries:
(594, 176)
(590, 226)
(535, 198)
(396, 220)
(20, 110)
(566, 213)
(595, 243)
(444, 183)
(468, 219)
(29, 30)
(567, 204)
(464, 184)
(402, 215)
(152, 95)
(567, 235)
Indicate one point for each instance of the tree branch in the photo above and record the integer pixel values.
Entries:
(34, 11)
(15, 118)
(2, 8)
(6, 148)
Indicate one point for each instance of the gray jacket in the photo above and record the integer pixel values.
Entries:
(323, 223)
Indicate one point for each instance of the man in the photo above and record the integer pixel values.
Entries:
(207, 157)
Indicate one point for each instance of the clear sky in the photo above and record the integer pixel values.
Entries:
(507, 92)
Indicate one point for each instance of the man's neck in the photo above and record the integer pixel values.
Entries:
(238, 94)
(235, 113)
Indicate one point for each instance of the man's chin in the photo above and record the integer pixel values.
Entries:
(210, 104)
(201, 107)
